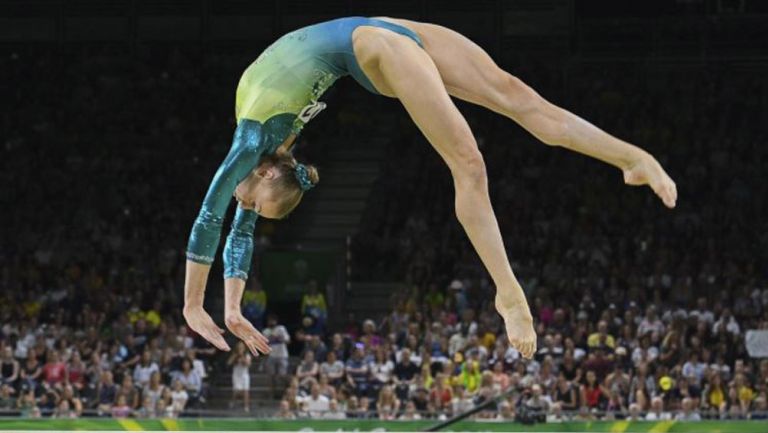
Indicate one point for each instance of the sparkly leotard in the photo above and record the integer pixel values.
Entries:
(277, 95)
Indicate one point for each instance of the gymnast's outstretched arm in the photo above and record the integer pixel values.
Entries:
(247, 148)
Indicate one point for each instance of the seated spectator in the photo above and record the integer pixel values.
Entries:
(657, 412)
(566, 395)
(285, 411)
(316, 404)
(334, 412)
(506, 411)
(332, 368)
(358, 373)
(179, 398)
(601, 338)
(688, 411)
(54, 371)
(190, 380)
(651, 324)
(76, 371)
(593, 395)
(409, 414)
(31, 372)
(440, 395)
(63, 410)
(7, 400)
(307, 370)
(148, 408)
(387, 405)
(74, 403)
(164, 409)
(405, 374)
(471, 376)
(634, 412)
(130, 392)
(154, 389)
(326, 388)
(106, 393)
(556, 414)
(121, 409)
(538, 404)
(9, 367)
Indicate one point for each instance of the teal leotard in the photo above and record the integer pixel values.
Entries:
(277, 95)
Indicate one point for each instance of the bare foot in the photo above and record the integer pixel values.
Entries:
(648, 171)
(519, 325)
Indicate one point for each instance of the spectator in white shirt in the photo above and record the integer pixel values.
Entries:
(179, 398)
(657, 411)
(189, 379)
(726, 323)
(701, 312)
(144, 369)
(315, 403)
(650, 323)
(277, 361)
(688, 412)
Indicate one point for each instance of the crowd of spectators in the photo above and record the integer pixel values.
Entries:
(439, 353)
(139, 365)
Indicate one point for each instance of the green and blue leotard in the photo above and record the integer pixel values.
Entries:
(277, 95)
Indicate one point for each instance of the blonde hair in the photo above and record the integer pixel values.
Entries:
(288, 189)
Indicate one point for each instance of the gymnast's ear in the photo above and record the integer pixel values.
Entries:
(266, 171)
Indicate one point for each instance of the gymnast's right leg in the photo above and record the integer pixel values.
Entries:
(398, 67)
(469, 73)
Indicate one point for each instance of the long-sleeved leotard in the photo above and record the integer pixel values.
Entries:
(277, 94)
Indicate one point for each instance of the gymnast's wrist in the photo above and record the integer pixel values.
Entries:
(191, 307)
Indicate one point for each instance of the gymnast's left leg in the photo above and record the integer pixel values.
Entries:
(469, 73)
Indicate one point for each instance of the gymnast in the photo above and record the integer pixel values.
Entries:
(420, 64)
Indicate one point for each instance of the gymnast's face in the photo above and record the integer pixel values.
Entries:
(256, 192)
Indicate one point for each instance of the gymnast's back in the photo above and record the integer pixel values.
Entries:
(293, 72)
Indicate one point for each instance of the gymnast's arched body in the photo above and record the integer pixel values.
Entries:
(420, 64)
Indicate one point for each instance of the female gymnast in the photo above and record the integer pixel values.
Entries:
(420, 64)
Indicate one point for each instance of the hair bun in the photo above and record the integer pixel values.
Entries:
(314, 177)
(307, 176)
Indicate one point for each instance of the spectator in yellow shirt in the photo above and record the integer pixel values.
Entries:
(601, 337)
(313, 304)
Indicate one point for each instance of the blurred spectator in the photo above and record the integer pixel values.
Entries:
(657, 412)
(179, 398)
(307, 370)
(255, 303)
(316, 404)
(190, 379)
(387, 404)
(121, 409)
(106, 392)
(313, 305)
(688, 411)
(277, 362)
(240, 361)
(144, 369)
(9, 367)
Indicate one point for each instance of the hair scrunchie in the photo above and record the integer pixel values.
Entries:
(302, 175)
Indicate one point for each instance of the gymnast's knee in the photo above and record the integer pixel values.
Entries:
(469, 172)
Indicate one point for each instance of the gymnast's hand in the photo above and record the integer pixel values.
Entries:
(244, 330)
(199, 320)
